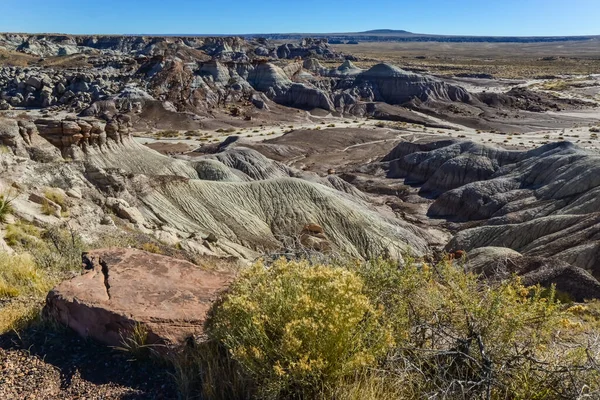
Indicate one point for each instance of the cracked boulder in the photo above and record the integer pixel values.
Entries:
(124, 288)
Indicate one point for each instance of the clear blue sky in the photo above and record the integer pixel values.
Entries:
(451, 17)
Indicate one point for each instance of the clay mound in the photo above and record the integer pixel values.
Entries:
(384, 70)
(267, 76)
(217, 71)
(541, 202)
(134, 158)
(348, 67)
(248, 202)
(273, 81)
(260, 214)
(125, 287)
(313, 64)
(393, 85)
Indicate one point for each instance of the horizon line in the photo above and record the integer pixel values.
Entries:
(373, 32)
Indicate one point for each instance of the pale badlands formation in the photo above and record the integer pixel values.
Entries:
(363, 191)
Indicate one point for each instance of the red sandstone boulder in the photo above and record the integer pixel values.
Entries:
(124, 287)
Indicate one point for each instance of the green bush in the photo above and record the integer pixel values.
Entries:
(298, 329)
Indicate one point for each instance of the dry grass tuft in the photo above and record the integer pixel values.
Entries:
(23, 286)
(20, 276)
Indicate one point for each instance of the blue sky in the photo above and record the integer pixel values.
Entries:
(451, 17)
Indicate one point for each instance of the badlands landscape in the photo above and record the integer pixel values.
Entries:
(143, 175)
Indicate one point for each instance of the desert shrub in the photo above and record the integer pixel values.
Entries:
(467, 338)
(298, 329)
(16, 315)
(47, 208)
(21, 234)
(379, 329)
(134, 341)
(62, 249)
(167, 134)
(206, 370)
(23, 286)
(556, 85)
(55, 249)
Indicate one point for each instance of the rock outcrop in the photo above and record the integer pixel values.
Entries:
(125, 288)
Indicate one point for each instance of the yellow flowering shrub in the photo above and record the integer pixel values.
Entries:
(380, 329)
(298, 328)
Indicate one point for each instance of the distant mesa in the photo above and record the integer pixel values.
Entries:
(388, 32)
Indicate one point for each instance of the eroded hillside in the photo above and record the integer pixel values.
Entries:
(217, 152)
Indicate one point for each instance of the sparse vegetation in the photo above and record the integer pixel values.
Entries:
(135, 342)
(21, 235)
(23, 285)
(167, 134)
(151, 248)
(19, 276)
(57, 197)
(47, 208)
(228, 130)
(556, 85)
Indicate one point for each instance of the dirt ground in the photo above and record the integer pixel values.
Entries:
(45, 364)
(501, 60)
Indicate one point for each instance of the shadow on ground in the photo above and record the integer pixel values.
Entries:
(85, 368)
